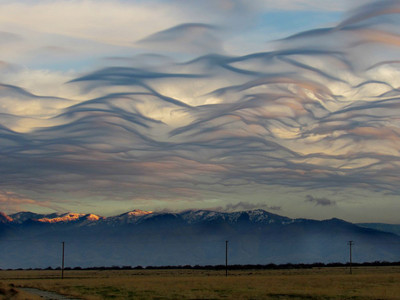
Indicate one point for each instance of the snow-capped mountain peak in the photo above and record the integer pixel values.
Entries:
(135, 216)
(129, 217)
(23, 216)
(70, 217)
(254, 216)
(138, 212)
(4, 218)
(92, 217)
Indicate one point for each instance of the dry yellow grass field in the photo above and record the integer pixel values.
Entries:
(317, 283)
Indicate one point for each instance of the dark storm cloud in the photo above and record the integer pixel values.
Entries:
(320, 201)
(305, 116)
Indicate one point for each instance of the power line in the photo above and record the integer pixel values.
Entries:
(62, 262)
(226, 258)
(350, 243)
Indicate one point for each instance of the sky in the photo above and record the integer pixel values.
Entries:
(289, 106)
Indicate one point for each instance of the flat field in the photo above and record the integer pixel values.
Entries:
(316, 283)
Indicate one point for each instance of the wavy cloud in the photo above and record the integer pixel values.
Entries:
(319, 113)
(189, 37)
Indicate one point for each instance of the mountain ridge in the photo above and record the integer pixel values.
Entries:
(192, 216)
(189, 237)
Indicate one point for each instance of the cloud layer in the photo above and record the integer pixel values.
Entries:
(317, 113)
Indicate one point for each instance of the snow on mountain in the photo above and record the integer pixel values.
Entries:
(23, 216)
(254, 216)
(262, 216)
(188, 237)
(70, 217)
(136, 216)
(92, 217)
(138, 212)
(62, 218)
(4, 218)
(129, 217)
(196, 216)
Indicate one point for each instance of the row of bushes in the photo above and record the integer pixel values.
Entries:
(230, 267)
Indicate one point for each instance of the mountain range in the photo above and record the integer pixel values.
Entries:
(193, 237)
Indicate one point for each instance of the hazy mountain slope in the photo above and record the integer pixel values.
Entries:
(393, 228)
(191, 237)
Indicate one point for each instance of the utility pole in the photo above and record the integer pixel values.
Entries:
(62, 262)
(350, 243)
(226, 258)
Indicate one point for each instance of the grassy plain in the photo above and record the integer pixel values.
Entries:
(316, 283)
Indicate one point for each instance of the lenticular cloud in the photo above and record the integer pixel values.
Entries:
(320, 111)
